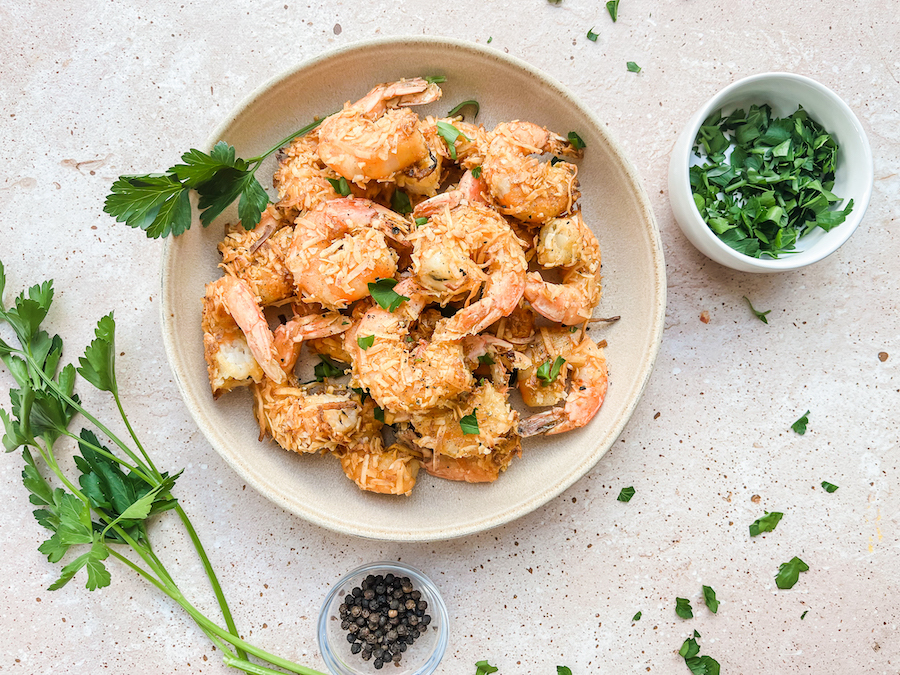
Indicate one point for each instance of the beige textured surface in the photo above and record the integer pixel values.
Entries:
(94, 90)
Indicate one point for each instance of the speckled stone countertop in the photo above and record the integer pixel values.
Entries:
(93, 90)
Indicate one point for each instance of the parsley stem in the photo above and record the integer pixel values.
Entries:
(103, 451)
(248, 667)
(305, 130)
(137, 442)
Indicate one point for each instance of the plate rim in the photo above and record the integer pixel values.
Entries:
(537, 500)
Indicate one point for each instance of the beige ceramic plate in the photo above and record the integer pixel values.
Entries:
(613, 203)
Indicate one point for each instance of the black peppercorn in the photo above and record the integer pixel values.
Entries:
(355, 648)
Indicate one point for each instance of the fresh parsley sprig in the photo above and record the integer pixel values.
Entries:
(115, 493)
(159, 203)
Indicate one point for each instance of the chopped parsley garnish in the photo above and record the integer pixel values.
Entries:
(759, 315)
(709, 597)
(698, 665)
(683, 608)
(400, 202)
(471, 103)
(766, 523)
(327, 367)
(633, 67)
(362, 393)
(436, 79)
(613, 8)
(469, 423)
(484, 668)
(378, 414)
(365, 342)
(591, 35)
(803, 616)
(486, 360)
(340, 186)
(563, 670)
(576, 141)
(547, 372)
(789, 573)
(636, 617)
(772, 187)
(384, 294)
(421, 221)
(159, 204)
(625, 494)
(490, 40)
(800, 425)
(450, 133)
(476, 172)
(829, 487)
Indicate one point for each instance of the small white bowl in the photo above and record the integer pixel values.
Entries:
(783, 92)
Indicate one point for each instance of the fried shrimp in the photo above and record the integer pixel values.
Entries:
(257, 257)
(237, 342)
(302, 177)
(449, 254)
(477, 468)
(340, 247)
(521, 185)
(569, 244)
(401, 375)
(310, 418)
(290, 336)
(391, 471)
(378, 136)
(588, 386)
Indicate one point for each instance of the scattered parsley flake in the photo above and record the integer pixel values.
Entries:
(766, 523)
(591, 35)
(547, 372)
(383, 293)
(365, 342)
(563, 670)
(327, 367)
(633, 67)
(683, 608)
(340, 186)
(476, 172)
(421, 221)
(471, 103)
(469, 423)
(436, 79)
(636, 617)
(486, 360)
(803, 616)
(709, 597)
(484, 668)
(613, 8)
(626, 494)
(789, 573)
(450, 134)
(378, 414)
(800, 425)
(400, 203)
(490, 40)
(759, 315)
(576, 141)
(829, 487)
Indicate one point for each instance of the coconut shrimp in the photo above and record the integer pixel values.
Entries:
(311, 418)
(522, 186)
(290, 336)
(567, 243)
(302, 177)
(238, 345)
(401, 375)
(378, 136)
(588, 386)
(477, 468)
(340, 247)
(257, 257)
(449, 253)
(390, 471)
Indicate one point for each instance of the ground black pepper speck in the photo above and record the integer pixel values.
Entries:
(382, 617)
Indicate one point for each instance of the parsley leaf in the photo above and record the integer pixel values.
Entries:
(486, 360)
(800, 425)
(484, 668)
(766, 523)
(683, 608)
(383, 293)
(591, 35)
(340, 185)
(575, 141)
(435, 79)
(803, 616)
(469, 423)
(421, 221)
(789, 573)
(365, 342)
(625, 494)
(759, 315)
(547, 372)
(633, 67)
(99, 361)
(698, 665)
(613, 8)
(470, 103)
(450, 134)
(157, 204)
(476, 172)
(709, 597)
(327, 367)
(400, 203)
(829, 487)
(378, 414)
(636, 617)
(563, 670)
